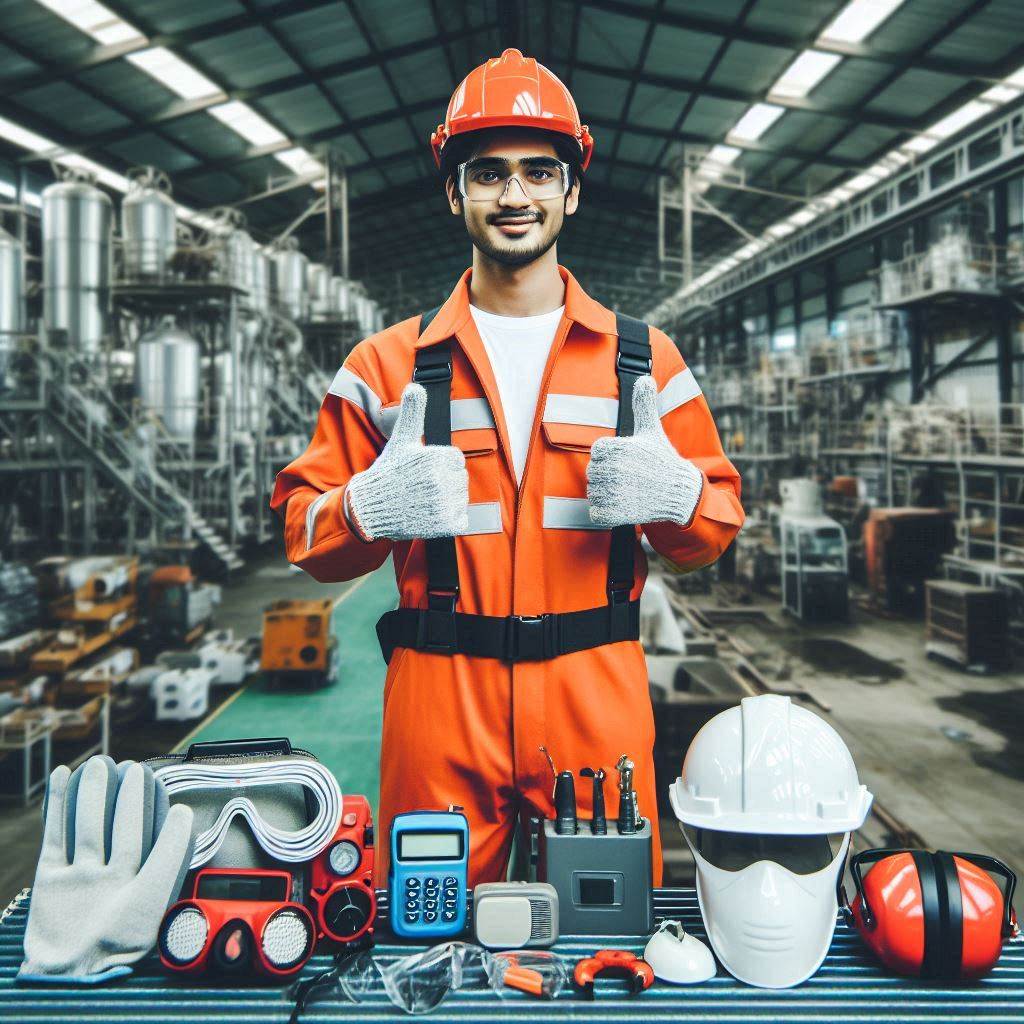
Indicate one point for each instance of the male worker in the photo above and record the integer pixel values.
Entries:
(515, 530)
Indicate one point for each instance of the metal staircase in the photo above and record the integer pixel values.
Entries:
(80, 405)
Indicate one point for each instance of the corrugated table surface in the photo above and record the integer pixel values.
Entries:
(849, 986)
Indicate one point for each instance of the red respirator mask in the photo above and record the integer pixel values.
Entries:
(238, 920)
(932, 915)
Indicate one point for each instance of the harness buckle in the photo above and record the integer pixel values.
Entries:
(432, 373)
(435, 630)
(531, 637)
(626, 362)
(618, 611)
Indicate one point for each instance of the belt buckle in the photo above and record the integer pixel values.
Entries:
(529, 638)
(436, 627)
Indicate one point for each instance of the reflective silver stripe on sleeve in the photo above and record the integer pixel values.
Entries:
(678, 391)
(355, 390)
(582, 410)
(312, 511)
(568, 514)
(467, 414)
(484, 517)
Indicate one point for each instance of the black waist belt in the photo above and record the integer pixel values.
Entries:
(509, 638)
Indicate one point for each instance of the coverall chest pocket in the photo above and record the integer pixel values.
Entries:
(480, 447)
(568, 456)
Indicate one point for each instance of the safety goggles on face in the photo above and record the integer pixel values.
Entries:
(487, 178)
(734, 851)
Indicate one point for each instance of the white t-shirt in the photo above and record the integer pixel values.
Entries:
(518, 348)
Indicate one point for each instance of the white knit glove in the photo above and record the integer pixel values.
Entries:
(412, 490)
(113, 859)
(641, 479)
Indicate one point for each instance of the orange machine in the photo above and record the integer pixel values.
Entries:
(297, 641)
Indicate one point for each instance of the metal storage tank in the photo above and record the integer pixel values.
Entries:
(290, 282)
(149, 224)
(261, 273)
(12, 298)
(340, 297)
(241, 258)
(77, 219)
(168, 378)
(318, 279)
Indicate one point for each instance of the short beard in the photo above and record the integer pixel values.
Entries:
(511, 257)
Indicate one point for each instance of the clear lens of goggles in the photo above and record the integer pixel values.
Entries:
(184, 935)
(486, 178)
(734, 851)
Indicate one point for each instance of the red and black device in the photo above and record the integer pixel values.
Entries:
(638, 972)
(238, 920)
(932, 915)
(341, 892)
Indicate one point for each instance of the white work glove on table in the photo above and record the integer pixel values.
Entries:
(412, 490)
(113, 859)
(642, 478)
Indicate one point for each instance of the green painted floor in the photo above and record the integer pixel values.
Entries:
(340, 724)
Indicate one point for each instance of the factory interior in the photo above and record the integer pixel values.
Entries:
(206, 207)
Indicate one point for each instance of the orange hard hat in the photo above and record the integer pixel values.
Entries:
(512, 91)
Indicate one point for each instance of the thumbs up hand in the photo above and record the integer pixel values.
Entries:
(642, 478)
(412, 490)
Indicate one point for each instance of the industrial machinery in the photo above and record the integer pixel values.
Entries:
(179, 606)
(815, 573)
(168, 373)
(298, 645)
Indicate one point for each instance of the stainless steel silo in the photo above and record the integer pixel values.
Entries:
(261, 274)
(77, 219)
(12, 295)
(168, 378)
(290, 283)
(340, 298)
(149, 224)
(318, 279)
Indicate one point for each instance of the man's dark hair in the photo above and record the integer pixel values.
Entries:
(460, 148)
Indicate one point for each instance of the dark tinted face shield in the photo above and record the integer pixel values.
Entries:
(734, 851)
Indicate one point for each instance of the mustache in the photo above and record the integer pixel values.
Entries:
(513, 218)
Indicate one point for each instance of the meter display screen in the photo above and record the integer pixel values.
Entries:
(413, 846)
(597, 892)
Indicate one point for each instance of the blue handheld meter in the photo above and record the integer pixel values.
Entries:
(428, 875)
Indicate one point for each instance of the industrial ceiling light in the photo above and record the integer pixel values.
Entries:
(858, 19)
(804, 74)
(755, 122)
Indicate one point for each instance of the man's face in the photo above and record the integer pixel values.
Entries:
(514, 229)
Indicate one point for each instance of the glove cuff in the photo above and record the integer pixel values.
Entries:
(687, 485)
(28, 976)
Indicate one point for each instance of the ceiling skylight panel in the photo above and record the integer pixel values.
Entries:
(804, 74)
(243, 120)
(756, 121)
(171, 71)
(858, 19)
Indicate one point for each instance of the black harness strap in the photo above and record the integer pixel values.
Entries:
(434, 371)
(632, 362)
(513, 638)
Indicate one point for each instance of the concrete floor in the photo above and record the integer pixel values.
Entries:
(942, 749)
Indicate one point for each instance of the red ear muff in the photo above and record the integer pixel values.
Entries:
(931, 915)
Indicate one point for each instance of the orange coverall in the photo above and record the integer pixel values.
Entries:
(467, 730)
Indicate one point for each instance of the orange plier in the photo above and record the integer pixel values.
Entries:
(639, 971)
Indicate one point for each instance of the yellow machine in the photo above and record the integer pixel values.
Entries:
(298, 642)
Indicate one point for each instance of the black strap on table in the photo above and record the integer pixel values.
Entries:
(441, 629)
